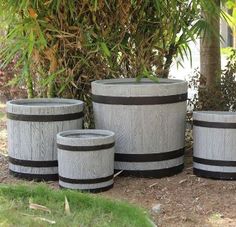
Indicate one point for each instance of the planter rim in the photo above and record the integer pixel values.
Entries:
(40, 103)
(86, 134)
(143, 82)
(128, 87)
(85, 137)
(215, 116)
(210, 112)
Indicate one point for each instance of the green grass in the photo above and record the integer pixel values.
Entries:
(85, 210)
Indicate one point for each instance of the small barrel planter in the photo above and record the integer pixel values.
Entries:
(86, 159)
(214, 154)
(32, 128)
(148, 119)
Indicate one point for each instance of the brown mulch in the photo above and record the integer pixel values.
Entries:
(185, 200)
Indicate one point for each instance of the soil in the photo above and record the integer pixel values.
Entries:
(184, 199)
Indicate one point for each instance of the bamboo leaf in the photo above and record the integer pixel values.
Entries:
(35, 206)
(105, 49)
(31, 43)
(67, 206)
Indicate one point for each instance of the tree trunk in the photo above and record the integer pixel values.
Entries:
(210, 62)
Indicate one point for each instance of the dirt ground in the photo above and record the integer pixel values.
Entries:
(184, 199)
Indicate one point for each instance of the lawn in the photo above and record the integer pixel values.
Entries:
(40, 206)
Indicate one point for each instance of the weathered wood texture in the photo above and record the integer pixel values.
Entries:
(32, 127)
(86, 159)
(148, 120)
(214, 134)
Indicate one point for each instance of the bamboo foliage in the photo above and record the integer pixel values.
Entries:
(64, 45)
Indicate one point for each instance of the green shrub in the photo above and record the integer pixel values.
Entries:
(222, 95)
(64, 45)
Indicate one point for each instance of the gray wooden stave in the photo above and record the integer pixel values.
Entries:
(32, 126)
(86, 159)
(214, 154)
(149, 123)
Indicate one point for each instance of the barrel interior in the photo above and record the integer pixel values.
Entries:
(128, 81)
(84, 135)
(137, 82)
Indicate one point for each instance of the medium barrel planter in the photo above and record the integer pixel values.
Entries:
(148, 119)
(32, 128)
(86, 159)
(214, 151)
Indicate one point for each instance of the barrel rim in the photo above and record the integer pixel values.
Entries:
(107, 138)
(218, 113)
(60, 102)
(100, 132)
(148, 90)
(134, 83)
(214, 119)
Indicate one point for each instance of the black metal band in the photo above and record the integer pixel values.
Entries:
(215, 175)
(209, 124)
(85, 148)
(45, 118)
(31, 163)
(214, 162)
(94, 190)
(159, 173)
(154, 157)
(35, 177)
(148, 100)
(86, 181)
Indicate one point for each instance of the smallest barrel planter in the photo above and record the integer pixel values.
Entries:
(86, 159)
(214, 154)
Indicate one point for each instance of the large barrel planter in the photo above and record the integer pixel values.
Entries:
(32, 128)
(86, 159)
(214, 154)
(148, 119)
